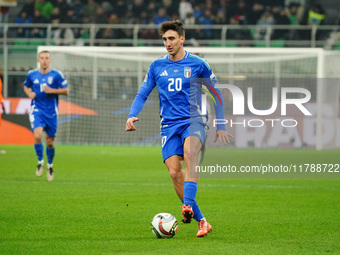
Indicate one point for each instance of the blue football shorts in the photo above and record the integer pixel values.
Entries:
(173, 136)
(40, 119)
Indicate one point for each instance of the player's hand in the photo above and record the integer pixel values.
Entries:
(49, 90)
(223, 136)
(32, 95)
(129, 124)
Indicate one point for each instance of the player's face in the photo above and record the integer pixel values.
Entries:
(44, 60)
(173, 42)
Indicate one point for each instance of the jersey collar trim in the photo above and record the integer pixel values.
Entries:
(186, 55)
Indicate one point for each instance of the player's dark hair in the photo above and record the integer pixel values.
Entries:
(175, 25)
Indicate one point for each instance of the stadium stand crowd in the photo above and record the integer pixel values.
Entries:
(205, 12)
(191, 12)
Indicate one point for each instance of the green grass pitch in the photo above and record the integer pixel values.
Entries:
(103, 199)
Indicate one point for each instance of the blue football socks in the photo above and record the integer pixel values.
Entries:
(190, 190)
(50, 155)
(197, 212)
(39, 151)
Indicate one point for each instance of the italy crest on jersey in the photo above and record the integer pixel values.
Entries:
(187, 72)
(50, 80)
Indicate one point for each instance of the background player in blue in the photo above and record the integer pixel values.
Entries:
(43, 86)
(182, 129)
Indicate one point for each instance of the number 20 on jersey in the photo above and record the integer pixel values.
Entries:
(175, 84)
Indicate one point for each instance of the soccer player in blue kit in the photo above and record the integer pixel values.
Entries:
(183, 128)
(43, 86)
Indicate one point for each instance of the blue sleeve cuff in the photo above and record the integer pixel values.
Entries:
(221, 127)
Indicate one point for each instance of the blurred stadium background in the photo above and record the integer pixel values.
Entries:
(103, 197)
(104, 83)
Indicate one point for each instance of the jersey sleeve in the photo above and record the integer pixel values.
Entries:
(28, 82)
(211, 80)
(62, 82)
(148, 85)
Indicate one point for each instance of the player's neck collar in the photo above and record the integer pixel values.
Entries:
(46, 72)
(185, 56)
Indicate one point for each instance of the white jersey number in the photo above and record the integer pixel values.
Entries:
(177, 82)
(42, 87)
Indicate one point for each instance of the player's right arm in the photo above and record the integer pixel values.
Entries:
(139, 101)
(29, 92)
(28, 87)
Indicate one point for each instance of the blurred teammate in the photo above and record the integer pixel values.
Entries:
(182, 126)
(43, 86)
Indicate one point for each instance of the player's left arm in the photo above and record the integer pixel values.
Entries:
(62, 86)
(222, 135)
(58, 91)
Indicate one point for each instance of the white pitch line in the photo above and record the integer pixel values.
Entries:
(152, 184)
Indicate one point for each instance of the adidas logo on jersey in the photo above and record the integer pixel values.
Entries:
(36, 81)
(198, 133)
(165, 73)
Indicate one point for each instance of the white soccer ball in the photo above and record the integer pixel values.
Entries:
(164, 225)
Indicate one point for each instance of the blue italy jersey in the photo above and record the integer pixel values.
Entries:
(47, 103)
(177, 99)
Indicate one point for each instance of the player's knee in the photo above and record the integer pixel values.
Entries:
(175, 173)
(50, 143)
(191, 153)
(187, 155)
(37, 138)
